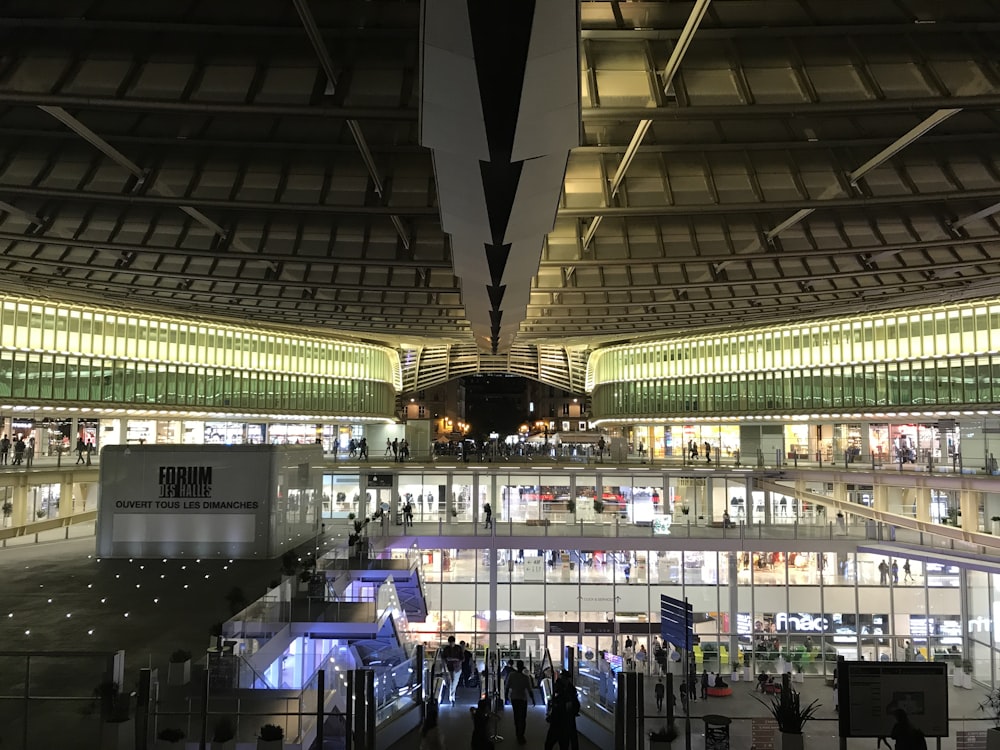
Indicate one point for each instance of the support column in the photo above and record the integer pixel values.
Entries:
(748, 502)
(922, 498)
(630, 713)
(734, 611)
(361, 709)
(768, 499)
(866, 442)
(968, 502)
(880, 496)
(65, 497)
(21, 513)
(494, 590)
(709, 501)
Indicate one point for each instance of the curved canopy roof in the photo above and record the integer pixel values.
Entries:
(740, 161)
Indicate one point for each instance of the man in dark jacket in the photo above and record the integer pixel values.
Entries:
(519, 691)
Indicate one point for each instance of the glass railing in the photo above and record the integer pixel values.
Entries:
(397, 690)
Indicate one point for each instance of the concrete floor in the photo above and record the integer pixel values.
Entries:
(57, 597)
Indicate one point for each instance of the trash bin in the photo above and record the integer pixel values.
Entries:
(717, 732)
(871, 530)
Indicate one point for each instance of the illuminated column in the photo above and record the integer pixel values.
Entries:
(968, 503)
(866, 442)
(880, 496)
(65, 497)
(922, 499)
(21, 510)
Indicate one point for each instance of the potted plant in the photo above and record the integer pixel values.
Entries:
(168, 738)
(662, 737)
(223, 734)
(571, 505)
(40, 513)
(8, 510)
(685, 509)
(995, 525)
(790, 716)
(304, 577)
(598, 505)
(271, 737)
(179, 668)
(991, 706)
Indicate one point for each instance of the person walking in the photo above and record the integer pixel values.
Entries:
(388, 448)
(883, 573)
(660, 691)
(29, 455)
(563, 710)
(407, 514)
(80, 448)
(704, 684)
(895, 572)
(4, 450)
(519, 691)
(488, 516)
(708, 452)
(452, 655)
(627, 570)
(907, 576)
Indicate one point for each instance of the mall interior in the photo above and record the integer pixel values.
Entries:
(756, 243)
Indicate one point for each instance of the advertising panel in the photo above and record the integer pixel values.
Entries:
(175, 500)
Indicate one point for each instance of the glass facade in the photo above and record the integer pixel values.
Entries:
(931, 357)
(72, 354)
(753, 608)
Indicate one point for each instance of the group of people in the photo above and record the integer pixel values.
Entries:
(519, 688)
(693, 450)
(24, 451)
(887, 572)
(358, 448)
(398, 449)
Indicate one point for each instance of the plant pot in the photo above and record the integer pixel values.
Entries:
(227, 745)
(270, 744)
(798, 677)
(164, 745)
(995, 528)
(179, 673)
(734, 677)
(993, 739)
(967, 680)
(786, 741)
(118, 735)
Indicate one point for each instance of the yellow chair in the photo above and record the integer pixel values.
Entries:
(699, 656)
(723, 654)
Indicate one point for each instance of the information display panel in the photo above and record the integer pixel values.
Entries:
(870, 694)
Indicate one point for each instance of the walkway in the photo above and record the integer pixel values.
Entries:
(742, 707)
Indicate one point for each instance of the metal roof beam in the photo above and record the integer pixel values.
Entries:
(323, 54)
(667, 80)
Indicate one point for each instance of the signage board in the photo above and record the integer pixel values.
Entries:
(871, 693)
(676, 622)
